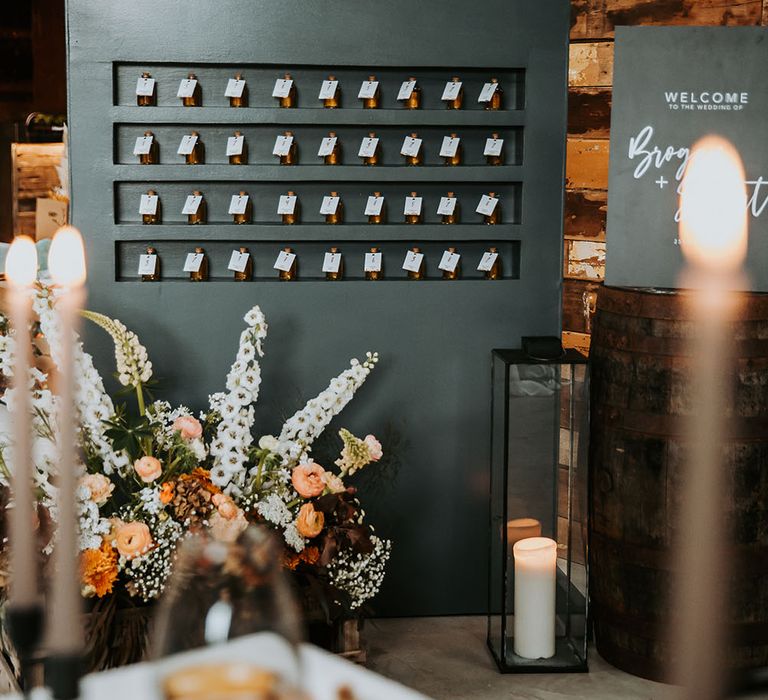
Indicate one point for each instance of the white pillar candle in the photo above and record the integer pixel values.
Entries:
(21, 271)
(535, 580)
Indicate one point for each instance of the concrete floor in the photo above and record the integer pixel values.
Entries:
(446, 657)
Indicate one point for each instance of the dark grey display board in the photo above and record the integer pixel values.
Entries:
(432, 385)
(672, 86)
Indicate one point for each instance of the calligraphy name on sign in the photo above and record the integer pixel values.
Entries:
(282, 145)
(238, 261)
(234, 88)
(328, 89)
(145, 87)
(287, 204)
(193, 262)
(374, 205)
(284, 261)
(368, 147)
(187, 87)
(331, 262)
(235, 145)
(372, 262)
(148, 204)
(282, 87)
(147, 264)
(143, 145)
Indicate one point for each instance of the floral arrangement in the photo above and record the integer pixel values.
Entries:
(152, 474)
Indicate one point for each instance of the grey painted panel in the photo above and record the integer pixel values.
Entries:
(435, 337)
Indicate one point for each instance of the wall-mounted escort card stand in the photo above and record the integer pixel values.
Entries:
(328, 145)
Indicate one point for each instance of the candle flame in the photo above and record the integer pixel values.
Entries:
(21, 262)
(66, 258)
(713, 206)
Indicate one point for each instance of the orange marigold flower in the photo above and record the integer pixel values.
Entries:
(99, 568)
(167, 492)
(290, 560)
(310, 555)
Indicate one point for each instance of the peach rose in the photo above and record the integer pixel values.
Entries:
(99, 487)
(226, 506)
(227, 529)
(310, 522)
(189, 427)
(374, 448)
(333, 483)
(132, 539)
(148, 469)
(307, 479)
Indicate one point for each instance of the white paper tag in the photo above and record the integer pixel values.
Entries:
(487, 205)
(368, 89)
(187, 145)
(447, 206)
(412, 206)
(487, 261)
(374, 206)
(238, 203)
(413, 261)
(187, 87)
(372, 262)
(284, 261)
(487, 92)
(148, 204)
(192, 204)
(406, 89)
(493, 147)
(238, 261)
(449, 261)
(145, 87)
(287, 204)
(328, 89)
(368, 147)
(282, 87)
(329, 205)
(327, 145)
(193, 262)
(235, 88)
(451, 91)
(411, 146)
(450, 146)
(235, 145)
(147, 264)
(282, 145)
(143, 145)
(331, 262)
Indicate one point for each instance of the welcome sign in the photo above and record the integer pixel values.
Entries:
(672, 86)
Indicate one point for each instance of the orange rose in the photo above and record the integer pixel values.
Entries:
(307, 479)
(226, 506)
(99, 487)
(189, 427)
(133, 539)
(227, 529)
(310, 522)
(148, 469)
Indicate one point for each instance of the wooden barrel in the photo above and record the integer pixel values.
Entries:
(639, 394)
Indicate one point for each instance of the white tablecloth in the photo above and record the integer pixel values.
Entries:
(322, 674)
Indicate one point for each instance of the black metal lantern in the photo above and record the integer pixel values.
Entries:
(537, 618)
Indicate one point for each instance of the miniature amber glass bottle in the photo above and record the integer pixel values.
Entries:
(377, 218)
(334, 157)
(413, 218)
(201, 274)
(338, 216)
(495, 272)
(288, 275)
(372, 159)
(414, 160)
(452, 274)
(294, 217)
(335, 276)
(247, 274)
(242, 100)
(455, 159)
(497, 98)
(458, 101)
(155, 276)
(290, 99)
(196, 99)
(242, 157)
(373, 274)
(495, 160)
(495, 216)
(147, 100)
(414, 101)
(153, 156)
(247, 215)
(200, 215)
(291, 157)
(417, 274)
(335, 101)
(453, 217)
(372, 102)
(197, 155)
(152, 218)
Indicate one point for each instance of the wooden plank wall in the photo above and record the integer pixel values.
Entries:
(589, 111)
